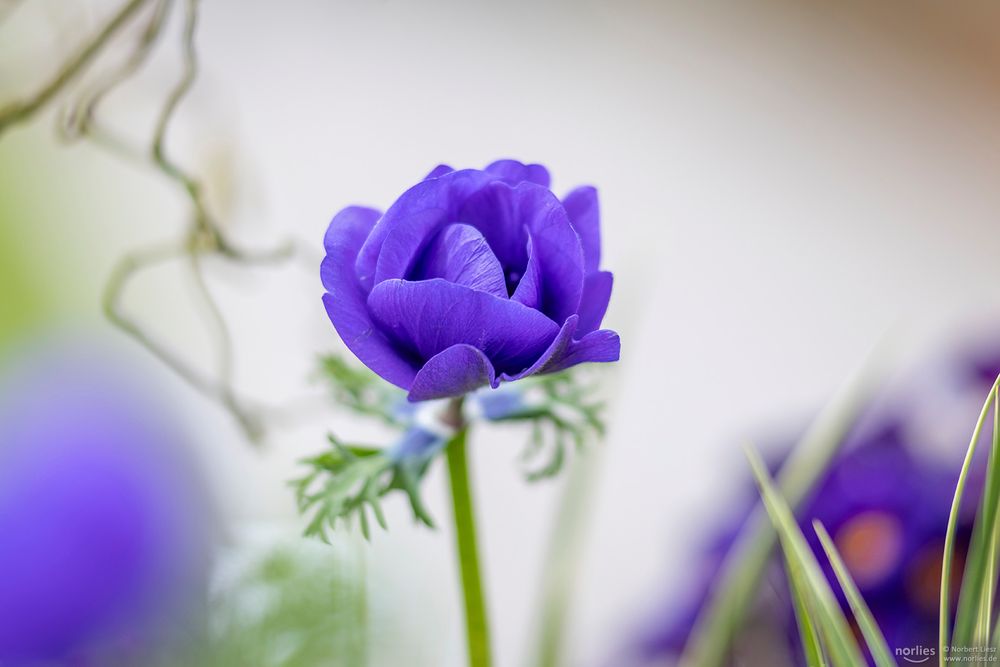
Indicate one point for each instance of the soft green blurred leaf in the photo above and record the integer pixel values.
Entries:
(722, 616)
(804, 615)
(26, 296)
(862, 614)
(285, 611)
(820, 604)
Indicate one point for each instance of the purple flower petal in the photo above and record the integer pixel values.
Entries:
(596, 295)
(555, 351)
(438, 171)
(584, 214)
(412, 221)
(495, 212)
(564, 351)
(454, 371)
(350, 227)
(560, 256)
(513, 172)
(345, 298)
(460, 255)
(429, 316)
(529, 287)
(599, 346)
(507, 216)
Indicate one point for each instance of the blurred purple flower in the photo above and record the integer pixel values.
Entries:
(885, 500)
(99, 514)
(416, 445)
(470, 278)
(498, 405)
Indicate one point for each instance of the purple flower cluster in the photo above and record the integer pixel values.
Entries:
(102, 542)
(470, 278)
(885, 500)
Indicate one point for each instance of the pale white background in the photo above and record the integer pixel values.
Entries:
(781, 184)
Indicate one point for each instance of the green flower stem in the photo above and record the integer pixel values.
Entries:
(476, 626)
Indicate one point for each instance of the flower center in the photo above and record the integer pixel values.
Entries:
(512, 278)
(871, 545)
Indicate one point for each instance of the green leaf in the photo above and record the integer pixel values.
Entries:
(981, 571)
(972, 621)
(349, 480)
(315, 607)
(877, 645)
(407, 479)
(824, 612)
(804, 616)
(723, 614)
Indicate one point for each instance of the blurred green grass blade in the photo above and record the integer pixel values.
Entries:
(947, 558)
(832, 626)
(562, 562)
(995, 641)
(877, 645)
(803, 616)
(975, 609)
(723, 614)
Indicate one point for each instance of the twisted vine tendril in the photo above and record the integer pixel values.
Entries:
(20, 111)
(202, 236)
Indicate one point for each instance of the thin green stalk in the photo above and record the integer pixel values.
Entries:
(944, 630)
(831, 625)
(877, 645)
(975, 606)
(358, 641)
(803, 614)
(561, 564)
(476, 625)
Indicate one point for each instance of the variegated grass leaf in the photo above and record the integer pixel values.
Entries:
(824, 626)
(974, 617)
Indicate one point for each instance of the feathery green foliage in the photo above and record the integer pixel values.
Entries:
(563, 412)
(360, 390)
(349, 481)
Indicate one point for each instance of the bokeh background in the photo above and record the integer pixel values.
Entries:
(784, 186)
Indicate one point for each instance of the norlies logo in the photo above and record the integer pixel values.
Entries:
(916, 654)
(959, 654)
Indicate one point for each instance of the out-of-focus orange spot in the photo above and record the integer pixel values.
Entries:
(871, 545)
(923, 577)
